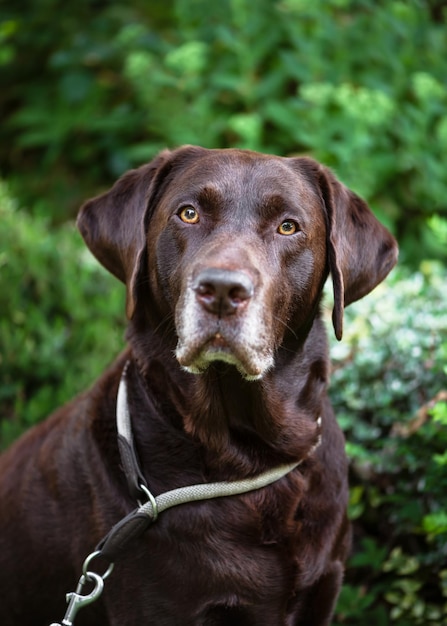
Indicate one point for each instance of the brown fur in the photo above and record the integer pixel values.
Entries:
(220, 387)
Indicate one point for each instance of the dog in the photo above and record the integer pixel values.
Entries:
(224, 254)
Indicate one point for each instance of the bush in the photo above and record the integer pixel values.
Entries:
(61, 318)
(389, 390)
(360, 85)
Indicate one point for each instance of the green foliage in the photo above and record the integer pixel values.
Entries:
(389, 390)
(359, 84)
(92, 89)
(61, 318)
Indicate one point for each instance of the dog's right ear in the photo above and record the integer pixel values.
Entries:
(114, 224)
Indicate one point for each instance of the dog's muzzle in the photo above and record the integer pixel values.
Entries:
(221, 318)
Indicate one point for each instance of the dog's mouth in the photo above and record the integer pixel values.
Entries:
(219, 343)
(196, 355)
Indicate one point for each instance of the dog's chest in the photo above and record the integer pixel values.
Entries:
(230, 551)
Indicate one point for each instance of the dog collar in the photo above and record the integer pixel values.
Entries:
(156, 504)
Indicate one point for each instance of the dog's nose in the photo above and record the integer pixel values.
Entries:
(222, 291)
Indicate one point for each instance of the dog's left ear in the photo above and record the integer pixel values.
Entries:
(361, 251)
(114, 224)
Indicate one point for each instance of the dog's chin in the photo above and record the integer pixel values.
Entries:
(251, 364)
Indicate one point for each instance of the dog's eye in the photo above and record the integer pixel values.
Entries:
(288, 227)
(189, 215)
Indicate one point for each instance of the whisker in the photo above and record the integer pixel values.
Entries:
(167, 319)
(278, 319)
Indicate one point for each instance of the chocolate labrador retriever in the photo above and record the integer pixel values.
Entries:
(224, 254)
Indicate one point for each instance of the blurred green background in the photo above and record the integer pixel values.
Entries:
(92, 88)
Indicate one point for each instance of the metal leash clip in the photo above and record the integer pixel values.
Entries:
(76, 600)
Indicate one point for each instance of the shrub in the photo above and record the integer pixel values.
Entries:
(360, 85)
(389, 389)
(61, 317)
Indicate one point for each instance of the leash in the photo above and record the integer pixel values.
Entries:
(140, 519)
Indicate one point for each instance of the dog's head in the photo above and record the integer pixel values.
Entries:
(235, 246)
